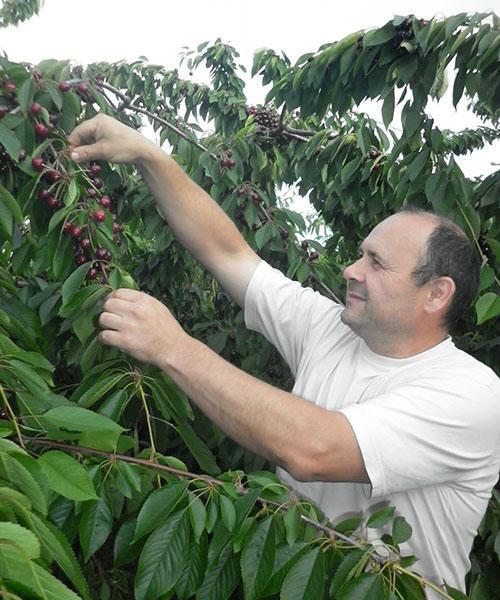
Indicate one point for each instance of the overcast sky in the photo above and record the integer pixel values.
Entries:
(112, 30)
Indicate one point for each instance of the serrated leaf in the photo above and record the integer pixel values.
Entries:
(197, 515)
(306, 579)
(221, 577)
(23, 538)
(194, 569)
(292, 521)
(257, 559)
(75, 418)
(227, 512)
(17, 474)
(381, 517)
(66, 476)
(96, 520)
(11, 204)
(367, 586)
(57, 548)
(16, 567)
(162, 558)
(157, 506)
(97, 391)
(10, 142)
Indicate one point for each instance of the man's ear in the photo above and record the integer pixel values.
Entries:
(441, 291)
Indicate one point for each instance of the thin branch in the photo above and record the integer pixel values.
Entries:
(325, 288)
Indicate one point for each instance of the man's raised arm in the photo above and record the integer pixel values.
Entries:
(198, 222)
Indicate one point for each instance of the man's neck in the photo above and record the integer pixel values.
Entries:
(405, 348)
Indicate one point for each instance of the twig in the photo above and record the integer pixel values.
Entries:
(325, 288)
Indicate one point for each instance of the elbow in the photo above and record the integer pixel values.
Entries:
(312, 464)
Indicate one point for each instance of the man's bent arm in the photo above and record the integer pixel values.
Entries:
(200, 224)
(311, 443)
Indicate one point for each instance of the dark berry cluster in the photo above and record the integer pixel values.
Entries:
(266, 119)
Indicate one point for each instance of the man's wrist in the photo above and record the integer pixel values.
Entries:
(176, 360)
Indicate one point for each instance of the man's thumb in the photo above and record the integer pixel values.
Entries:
(86, 153)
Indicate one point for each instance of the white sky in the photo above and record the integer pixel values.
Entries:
(113, 30)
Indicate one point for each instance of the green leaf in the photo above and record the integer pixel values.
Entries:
(401, 530)
(26, 94)
(97, 391)
(194, 569)
(96, 520)
(16, 473)
(66, 476)
(162, 558)
(367, 586)
(158, 506)
(388, 108)
(354, 561)
(379, 36)
(257, 559)
(5, 222)
(227, 512)
(73, 282)
(381, 517)
(197, 515)
(200, 451)
(306, 579)
(487, 307)
(75, 418)
(15, 566)
(221, 577)
(418, 164)
(292, 524)
(23, 538)
(10, 142)
(11, 204)
(56, 547)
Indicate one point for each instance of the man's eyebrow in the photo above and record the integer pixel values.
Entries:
(373, 254)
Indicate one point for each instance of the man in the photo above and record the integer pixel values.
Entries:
(384, 408)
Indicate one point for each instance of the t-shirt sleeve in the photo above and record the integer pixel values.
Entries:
(287, 314)
(429, 432)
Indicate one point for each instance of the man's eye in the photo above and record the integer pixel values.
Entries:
(375, 263)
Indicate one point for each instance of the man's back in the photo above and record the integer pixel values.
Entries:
(427, 425)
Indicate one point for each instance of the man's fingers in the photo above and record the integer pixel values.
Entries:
(109, 320)
(85, 132)
(126, 294)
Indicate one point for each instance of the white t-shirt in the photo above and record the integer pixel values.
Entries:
(428, 426)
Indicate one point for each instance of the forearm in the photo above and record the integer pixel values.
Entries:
(274, 424)
(197, 221)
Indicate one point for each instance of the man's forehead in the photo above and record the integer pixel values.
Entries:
(403, 232)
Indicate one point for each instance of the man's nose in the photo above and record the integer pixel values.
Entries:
(354, 271)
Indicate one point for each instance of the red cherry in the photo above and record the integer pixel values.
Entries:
(68, 227)
(21, 156)
(64, 86)
(10, 86)
(81, 259)
(116, 228)
(37, 74)
(92, 273)
(53, 202)
(304, 245)
(99, 216)
(91, 192)
(101, 253)
(36, 108)
(4, 414)
(313, 256)
(37, 164)
(44, 194)
(83, 87)
(41, 130)
(3, 111)
(105, 201)
(97, 182)
(85, 244)
(76, 232)
(52, 176)
(95, 169)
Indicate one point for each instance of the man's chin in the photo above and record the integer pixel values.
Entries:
(348, 317)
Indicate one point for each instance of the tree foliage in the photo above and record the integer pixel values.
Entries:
(112, 484)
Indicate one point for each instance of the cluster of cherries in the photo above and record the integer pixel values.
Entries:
(312, 255)
(227, 161)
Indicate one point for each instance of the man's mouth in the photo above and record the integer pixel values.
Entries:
(354, 296)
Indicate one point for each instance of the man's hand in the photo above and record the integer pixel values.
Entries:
(105, 138)
(140, 325)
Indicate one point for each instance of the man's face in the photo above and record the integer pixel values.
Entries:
(382, 301)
